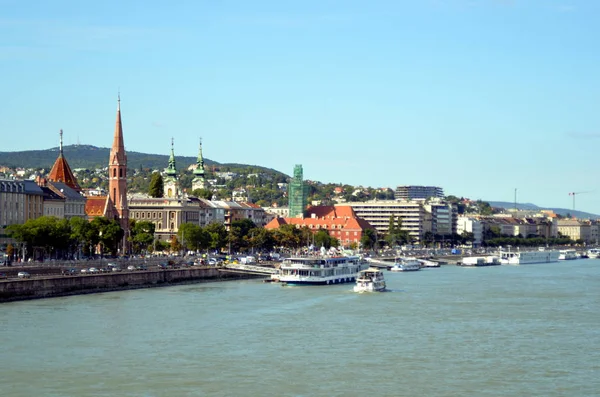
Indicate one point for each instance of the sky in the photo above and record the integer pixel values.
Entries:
(480, 97)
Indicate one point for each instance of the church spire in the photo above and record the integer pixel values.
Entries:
(118, 148)
(171, 170)
(171, 183)
(199, 171)
(116, 205)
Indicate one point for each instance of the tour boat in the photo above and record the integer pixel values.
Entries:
(406, 265)
(370, 280)
(567, 254)
(321, 270)
(527, 257)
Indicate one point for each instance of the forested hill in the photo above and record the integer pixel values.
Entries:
(92, 157)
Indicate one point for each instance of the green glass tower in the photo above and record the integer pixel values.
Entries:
(297, 193)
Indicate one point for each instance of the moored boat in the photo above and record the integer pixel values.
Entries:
(528, 257)
(370, 280)
(406, 265)
(567, 254)
(428, 263)
(321, 270)
(593, 253)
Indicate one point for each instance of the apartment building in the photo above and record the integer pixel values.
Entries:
(19, 202)
(577, 229)
(418, 192)
(415, 219)
(470, 225)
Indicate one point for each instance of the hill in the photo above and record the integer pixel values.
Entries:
(533, 207)
(92, 157)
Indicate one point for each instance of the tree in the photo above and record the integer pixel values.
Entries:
(142, 235)
(109, 234)
(203, 193)
(238, 230)
(217, 236)
(175, 245)
(157, 186)
(368, 239)
(262, 239)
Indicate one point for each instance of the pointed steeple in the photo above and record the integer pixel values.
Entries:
(116, 202)
(117, 153)
(61, 172)
(199, 182)
(199, 171)
(171, 170)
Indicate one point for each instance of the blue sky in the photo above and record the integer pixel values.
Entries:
(479, 97)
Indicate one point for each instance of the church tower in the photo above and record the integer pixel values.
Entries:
(117, 178)
(171, 183)
(199, 181)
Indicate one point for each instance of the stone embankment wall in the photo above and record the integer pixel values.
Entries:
(53, 286)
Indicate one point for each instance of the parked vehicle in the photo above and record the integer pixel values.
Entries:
(130, 267)
(23, 275)
(69, 272)
(93, 270)
(85, 271)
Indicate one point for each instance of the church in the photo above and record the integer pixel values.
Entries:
(114, 205)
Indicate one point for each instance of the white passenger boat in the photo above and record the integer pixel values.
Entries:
(528, 257)
(406, 265)
(428, 263)
(370, 280)
(593, 253)
(567, 254)
(321, 270)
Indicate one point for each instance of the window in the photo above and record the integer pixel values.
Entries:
(114, 172)
(120, 172)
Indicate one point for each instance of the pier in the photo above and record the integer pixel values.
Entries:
(248, 269)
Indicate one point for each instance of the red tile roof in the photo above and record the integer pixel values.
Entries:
(95, 205)
(61, 172)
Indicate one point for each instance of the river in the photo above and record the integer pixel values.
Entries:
(531, 330)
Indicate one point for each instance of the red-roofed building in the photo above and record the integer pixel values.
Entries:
(339, 221)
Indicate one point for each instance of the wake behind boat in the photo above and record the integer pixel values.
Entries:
(370, 280)
(321, 270)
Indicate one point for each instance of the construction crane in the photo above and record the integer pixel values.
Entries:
(576, 193)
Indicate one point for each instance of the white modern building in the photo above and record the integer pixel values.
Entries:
(470, 225)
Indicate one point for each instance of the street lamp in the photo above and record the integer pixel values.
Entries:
(100, 244)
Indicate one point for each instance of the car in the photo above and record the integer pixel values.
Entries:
(69, 272)
(130, 267)
(84, 270)
(23, 275)
(141, 267)
(93, 270)
(163, 266)
(113, 267)
(2, 275)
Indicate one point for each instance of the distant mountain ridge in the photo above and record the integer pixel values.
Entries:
(92, 157)
(529, 206)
